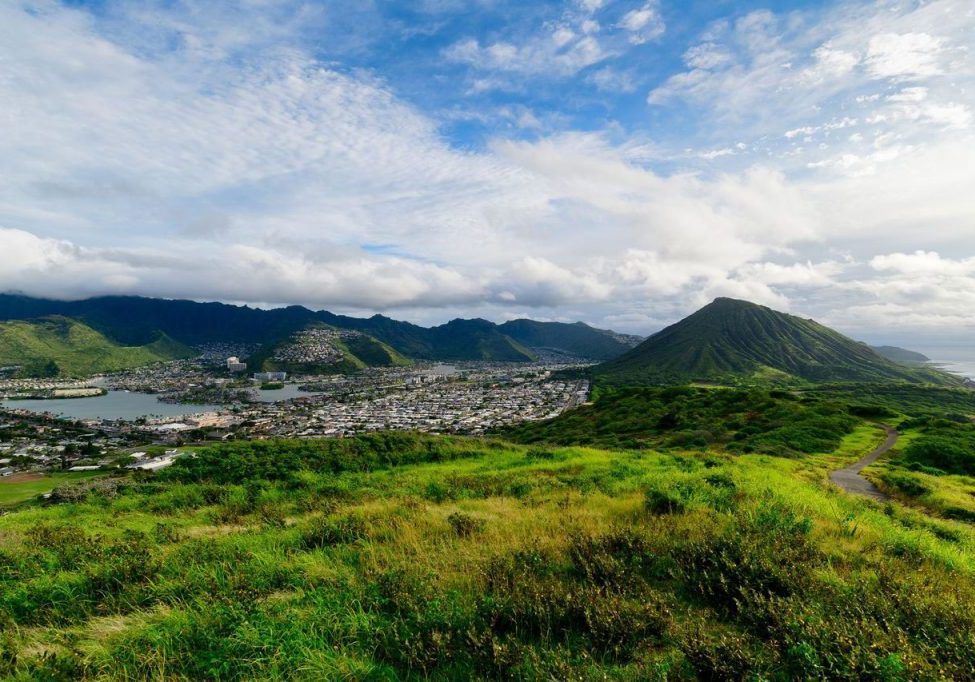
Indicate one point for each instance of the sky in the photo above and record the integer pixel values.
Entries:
(620, 162)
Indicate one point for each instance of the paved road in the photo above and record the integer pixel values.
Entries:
(850, 480)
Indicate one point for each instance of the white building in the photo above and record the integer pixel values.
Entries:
(235, 365)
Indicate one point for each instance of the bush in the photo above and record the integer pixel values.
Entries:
(659, 502)
(465, 525)
(328, 531)
(912, 486)
(762, 554)
(955, 455)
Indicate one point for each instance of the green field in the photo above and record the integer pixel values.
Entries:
(13, 491)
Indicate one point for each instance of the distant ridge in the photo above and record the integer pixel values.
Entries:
(731, 340)
(136, 321)
(901, 354)
(579, 339)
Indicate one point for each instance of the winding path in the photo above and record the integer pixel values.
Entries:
(850, 480)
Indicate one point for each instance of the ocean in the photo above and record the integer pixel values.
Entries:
(957, 360)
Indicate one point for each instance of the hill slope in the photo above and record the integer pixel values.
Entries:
(730, 340)
(577, 339)
(58, 346)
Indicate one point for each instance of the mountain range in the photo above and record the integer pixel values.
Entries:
(132, 321)
(731, 340)
(727, 340)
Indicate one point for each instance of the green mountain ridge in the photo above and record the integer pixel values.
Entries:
(732, 340)
(60, 346)
(136, 321)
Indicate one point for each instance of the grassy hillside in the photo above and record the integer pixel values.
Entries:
(373, 353)
(399, 557)
(687, 417)
(730, 340)
(58, 346)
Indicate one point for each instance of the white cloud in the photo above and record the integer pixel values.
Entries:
(915, 94)
(767, 67)
(922, 263)
(559, 48)
(830, 63)
(804, 130)
(592, 6)
(706, 55)
(611, 80)
(561, 54)
(892, 55)
(712, 154)
(643, 23)
(795, 275)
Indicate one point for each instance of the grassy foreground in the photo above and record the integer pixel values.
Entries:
(403, 557)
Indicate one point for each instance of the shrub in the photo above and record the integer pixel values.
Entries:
(465, 525)
(954, 455)
(658, 502)
(761, 554)
(723, 657)
(912, 486)
(615, 560)
(327, 531)
(81, 491)
(540, 454)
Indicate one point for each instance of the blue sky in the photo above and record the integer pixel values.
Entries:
(616, 161)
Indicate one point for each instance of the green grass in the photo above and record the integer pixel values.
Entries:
(59, 346)
(406, 557)
(13, 492)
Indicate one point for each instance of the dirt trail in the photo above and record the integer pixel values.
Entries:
(850, 480)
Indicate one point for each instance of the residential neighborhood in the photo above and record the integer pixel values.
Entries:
(466, 398)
